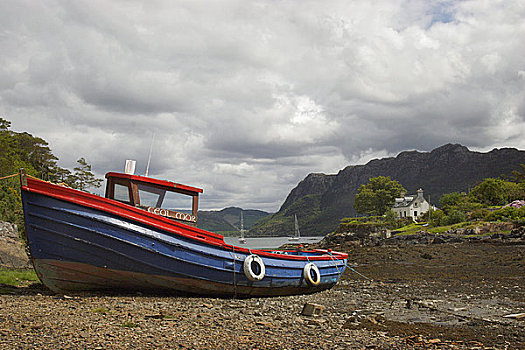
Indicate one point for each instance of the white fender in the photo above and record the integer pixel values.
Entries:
(311, 274)
(254, 267)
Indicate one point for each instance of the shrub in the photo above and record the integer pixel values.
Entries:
(453, 217)
(478, 214)
(402, 222)
(388, 221)
(516, 215)
(433, 217)
(467, 206)
(451, 199)
(496, 192)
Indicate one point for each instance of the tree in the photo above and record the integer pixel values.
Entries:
(460, 202)
(35, 151)
(451, 199)
(83, 178)
(378, 196)
(4, 124)
(496, 192)
(519, 175)
(10, 162)
(23, 150)
(61, 175)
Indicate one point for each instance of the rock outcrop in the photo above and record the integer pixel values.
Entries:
(12, 250)
(489, 232)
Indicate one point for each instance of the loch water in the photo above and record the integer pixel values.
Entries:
(269, 242)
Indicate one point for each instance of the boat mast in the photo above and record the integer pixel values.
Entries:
(242, 239)
(242, 225)
(149, 156)
(297, 233)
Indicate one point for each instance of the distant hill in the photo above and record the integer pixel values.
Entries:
(321, 201)
(228, 219)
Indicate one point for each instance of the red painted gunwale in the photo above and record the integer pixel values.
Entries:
(126, 211)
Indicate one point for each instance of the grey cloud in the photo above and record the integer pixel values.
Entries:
(245, 99)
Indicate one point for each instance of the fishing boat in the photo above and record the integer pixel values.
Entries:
(130, 239)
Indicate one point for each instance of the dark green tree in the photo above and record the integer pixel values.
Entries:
(10, 163)
(4, 124)
(378, 196)
(519, 175)
(82, 177)
(61, 175)
(496, 192)
(23, 150)
(451, 199)
(35, 151)
(456, 201)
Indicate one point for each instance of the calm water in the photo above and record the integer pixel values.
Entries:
(268, 242)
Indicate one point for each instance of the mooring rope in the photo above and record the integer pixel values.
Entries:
(8, 176)
(333, 260)
(359, 273)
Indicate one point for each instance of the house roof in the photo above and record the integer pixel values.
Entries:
(404, 201)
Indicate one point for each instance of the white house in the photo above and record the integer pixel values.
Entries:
(411, 206)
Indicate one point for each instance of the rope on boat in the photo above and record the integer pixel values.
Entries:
(333, 260)
(350, 267)
(8, 176)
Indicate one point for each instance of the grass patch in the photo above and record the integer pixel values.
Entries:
(416, 227)
(17, 278)
(480, 235)
(409, 229)
(129, 324)
(169, 317)
(100, 310)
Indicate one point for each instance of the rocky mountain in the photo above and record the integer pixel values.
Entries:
(321, 201)
(228, 219)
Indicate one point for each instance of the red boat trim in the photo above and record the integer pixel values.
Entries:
(150, 180)
(126, 211)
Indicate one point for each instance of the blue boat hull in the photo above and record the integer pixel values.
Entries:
(75, 248)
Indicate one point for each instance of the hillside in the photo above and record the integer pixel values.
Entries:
(228, 219)
(321, 201)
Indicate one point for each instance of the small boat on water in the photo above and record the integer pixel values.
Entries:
(242, 240)
(130, 240)
(297, 233)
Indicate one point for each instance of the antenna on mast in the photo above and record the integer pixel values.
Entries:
(149, 156)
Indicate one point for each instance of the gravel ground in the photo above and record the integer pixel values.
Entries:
(425, 297)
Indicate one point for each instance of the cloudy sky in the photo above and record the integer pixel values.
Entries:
(245, 98)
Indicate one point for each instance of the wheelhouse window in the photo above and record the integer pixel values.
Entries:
(121, 193)
(151, 196)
